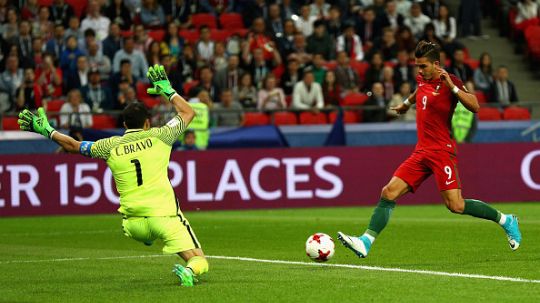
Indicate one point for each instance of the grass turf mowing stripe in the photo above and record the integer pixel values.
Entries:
(350, 266)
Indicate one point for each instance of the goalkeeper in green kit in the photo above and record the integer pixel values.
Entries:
(139, 163)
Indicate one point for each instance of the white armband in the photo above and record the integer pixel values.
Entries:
(407, 102)
(455, 90)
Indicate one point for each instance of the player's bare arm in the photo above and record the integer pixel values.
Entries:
(407, 103)
(466, 98)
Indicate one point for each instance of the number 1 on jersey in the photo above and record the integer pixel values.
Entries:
(138, 170)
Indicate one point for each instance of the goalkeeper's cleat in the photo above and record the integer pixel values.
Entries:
(359, 245)
(186, 276)
(511, 227)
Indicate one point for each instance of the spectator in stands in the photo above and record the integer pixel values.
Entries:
(274, 23)
(42, 26)
(307, 94)
(444, 59)
(257, 38)
(10, 29)
(60, 12)
(179, 11)
(163, 113)
(397, 99)
(527, 10)
(331, 90)
(96, 60)
(459, 68)
(388, 82)
(94, 20)
(285, 43)
(233, 44)
(207, 83)
(89, 37)
(124, 75)
(126, 94)
(229, 76)
(403, 70)
(68, 59)
(429, 34)
(152, 15)
(334, 22)
(96, 95)
(431, 8)
(288, 8)
(36, 58)
(187, 63)
(376, 100)
(11, 79)
(78, 78)
(470, 14)
(228, 112)
(368, 27)
(417, 21)
(446, 30)
(503, 90)
(386, 45)
(141, 38)
(346, 76)
(319, 9)
(374, 72)
(405, 40)
(391, 17)
(23, 41)
(219, 60)
(483, 75)
(245, 92)
(403, 7)
(30, 10)
(75, 113)
(350, 43)
(74, 29)
(29, 95)
(173, 73)
(292, 75)
(300, 51)
(57, 44)
(320, 42)
(118, 13)
(153, 55)
(49, 78)
(304, 22)
(271, 97)
(258, 67)
(189, 140)
(136, 57)
(318, 68)
(172, 43)
(113, 42)
(204, 47)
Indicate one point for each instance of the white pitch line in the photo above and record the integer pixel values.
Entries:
(350, 266)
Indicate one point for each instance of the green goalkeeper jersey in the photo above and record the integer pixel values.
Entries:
(139, 163)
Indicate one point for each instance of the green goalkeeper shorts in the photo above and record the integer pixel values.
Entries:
(175, 232)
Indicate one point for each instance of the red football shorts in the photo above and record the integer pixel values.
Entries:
(421, 164)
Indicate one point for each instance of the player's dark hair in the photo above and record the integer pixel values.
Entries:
(429, 50)
(135, 114)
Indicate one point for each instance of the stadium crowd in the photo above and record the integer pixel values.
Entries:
(240, 58)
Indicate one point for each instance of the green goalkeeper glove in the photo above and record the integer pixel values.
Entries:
(158, 78)
(39, 123)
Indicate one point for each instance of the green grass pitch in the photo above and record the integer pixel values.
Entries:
(80, 258)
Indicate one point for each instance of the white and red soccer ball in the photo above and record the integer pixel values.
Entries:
(320, 247)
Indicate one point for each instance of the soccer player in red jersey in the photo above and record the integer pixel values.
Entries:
(436, 98)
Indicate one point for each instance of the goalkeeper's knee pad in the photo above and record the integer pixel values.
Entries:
(198, 265)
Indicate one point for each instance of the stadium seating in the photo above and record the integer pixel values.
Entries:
(361, 68)
(489, 114)
(252, 119)
(141, 89)
(191, 36)
(54, 105)
(150, 102)
(189, 85)
(157, 34)
(516, 113)
(103, 122)
(45, 2)
(481, 97)
(199, 20)
(10, 123)
(219, 35)
(330, 65)
(285, 118)
(349, 117)
(353, 99)
(313, 118)
(231, 21)
(79, 6)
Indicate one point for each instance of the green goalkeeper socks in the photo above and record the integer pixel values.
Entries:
(482, 210)
(380, 217)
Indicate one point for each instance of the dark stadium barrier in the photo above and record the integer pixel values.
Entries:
(267, 178)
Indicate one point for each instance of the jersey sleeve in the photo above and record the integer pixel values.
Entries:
(170, 132)
(457, 82)
(100, 149)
